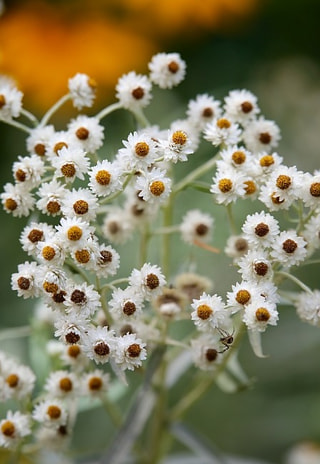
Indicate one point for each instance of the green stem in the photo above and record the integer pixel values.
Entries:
(145, 236)
(18, 125)
(44, 121)
(195, 174)
(108, 109)
(232, 223)
(297, 281)
(30, 116)
(140, 118)
(16, 332)
(166, 238)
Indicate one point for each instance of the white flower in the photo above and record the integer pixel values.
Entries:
(310, 190)
(71, 328)
(154, 186)
(80, 203)
(59, 140)
(130, 352)
(100, 344)
(126, 304)
(117, 225)
(82, 299)
(196, 225)
(260, 229)
(95, 383)
(255, 266)
(209, 312)
(241, 106)
(267, 163)
(51, 195)
(51, 251)
(205, 352)
(38, 140)
(14, 427)
(28, 170)
(105, 178)
(140, 152)
(261, 135)
(74, 357)
(228, 186)
(62, 384)
(289, 249)
(133, 91)
(311, 234)
(177, 146)
(167, 70)
(19, 381)
(71, 163)
(88, 132)
(82, 90)
(222, 131)
(259, 314)
(10, 102)
(203, 110)
(239, 159)
(34, 233)
(73, 232)
(106, 261)
(236, 246)
(17, 200)
(242, 294)
(308, 307)
(26, 280)
(51, 413)
(148, 281)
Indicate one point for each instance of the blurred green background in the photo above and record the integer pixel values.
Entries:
(269, 47)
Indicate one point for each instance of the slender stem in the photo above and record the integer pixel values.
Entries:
(53, 109)
(200, 171)
(108, 109)
(166, 230)
(140, 117)
(145, 236)
(16, 332)
(295, 280)
(115, 195)
(30, 116)
(18, 125)
(166, 239)
(232, 223)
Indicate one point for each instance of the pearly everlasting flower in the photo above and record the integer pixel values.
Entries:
(237, 158)
(311, 234)
(177, 146)
(268, 162)
(74, 232)
(88, 132)
(82, 299)
(228, 186)
(19, 381)
(222, 131)
(126, 304)
(51, 251)
(148, 281)
(209, 312)
(73, 356)
(243, 293)
(236, 246)
(130, 352)
(205, 352)
(62, 384)
(95, 383)
(203, 109)
(28, 170)
(154, 186)
(58, 141)
(71, 328)
(139, 152)
(38, 140)
(26, 280)
(34, 233)
(14, 428)
(17, 200)
(260, 229)
(133, 91)
(105, 261)
(196, 225)
(71, 163)
(255, 266)
(289, 249)
(100, 344)
(105, 178)
(310, 190)
(10, 102)
(241, 106)
(81, 203)
(308, 307)
(261, 135)
(51, 196)
(167, 70)
(82, 90)
(117, 227)
(170, 303)
(284, 184)
(51, 413)
(192, 285)
(259, 314)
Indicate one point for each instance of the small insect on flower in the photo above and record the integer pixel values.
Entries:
(226, 339)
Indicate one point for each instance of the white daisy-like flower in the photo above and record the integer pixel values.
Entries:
(203, 109)
(130, 352)
(310, 190)
(81, 203)
(51, 195)
(126, 304)
(117, 226)
(167, 70)
(139, 152)
(137, 210)
(237, 158)
(71, 329)
(51, 251)
(53, 279)
(62, 384)
(60, 139)
(88, 132)
(260, 313)
(105, 178)
(177, 146)
(154, 186)
(289, 249)
(73, 356)
(95, 383)
(260, 229)
(267, 163)
(222, 131)
(28, 170)
(241, 106)
(255, 266)
(13, 428)
(148, 281)
(196, 225)
(261, 135)
(228, 186)
(71, 163)
(34, 233)
(50, 412)
(308, 307)
(82, 299)
(236, 246)
(38, 140)
(106, 261)
(82, 89)
(100, 344)
(286, 183)
(10, 102)
(133, 91)
(26, 280)
(209, 312)
(242, 294)
(311, 234)
(17, 200)
(19, 381)
(205, 352)
(74, 233)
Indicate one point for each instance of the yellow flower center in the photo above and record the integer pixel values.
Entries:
(250, 187)
(12, 380)
(74, 233)
(315, 189)
(2, 101)
(225, 185)
(157, 188)
(179, 137)
(82, 133)
(54, 412)
(223, 123)
(266, 161)
(50, 287)
(141, 149)
(243, 297)
(262, 315)
(80, 207)
(238, 157)
(58, 146)
(48, 253)
(82, 256)
(283, 182)
(53, 207)
(68, 170)
(173, 67)
(10, 204)
(134, 350)
(40, 149)
(95, 383)
(103, 177)
(8, 428)
(204, 311)
(65, 384)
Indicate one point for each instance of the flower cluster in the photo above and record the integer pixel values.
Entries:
(104, 326)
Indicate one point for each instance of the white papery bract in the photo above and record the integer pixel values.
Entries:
(289, 249)
(10, 102)
(13, 428)
(308, 307)
(260, 229)
(209, 312)
(260, 313)
(82, 90)
(130, 352)
(88, 132)
(203, 109)
(196, 225)
(167, 70)
(133, 91)
(148, 281)
(241, 106)
(51, 413)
